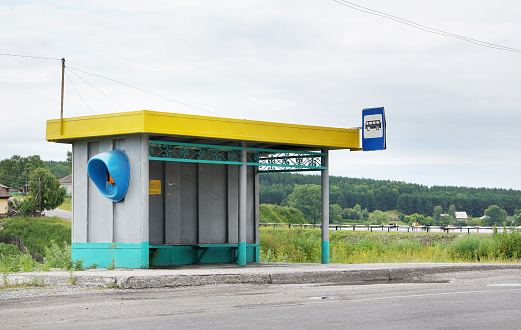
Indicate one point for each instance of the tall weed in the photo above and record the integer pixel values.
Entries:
(13, 260)
(58, 256)
(508, 244)
(473, 247)
(303, 245)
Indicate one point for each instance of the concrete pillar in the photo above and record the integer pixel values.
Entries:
(325, 207)
(241, 250)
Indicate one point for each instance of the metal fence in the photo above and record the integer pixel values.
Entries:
(18, 243)
(397, 228)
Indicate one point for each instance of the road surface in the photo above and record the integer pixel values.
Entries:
(481, 300)
(67, 215)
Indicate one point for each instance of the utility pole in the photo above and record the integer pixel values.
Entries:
(63, 86)
(40, 195)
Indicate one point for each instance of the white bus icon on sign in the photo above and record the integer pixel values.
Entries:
(373, 124)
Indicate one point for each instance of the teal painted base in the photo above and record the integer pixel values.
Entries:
(120, 255)
(241, 254)
(169, 255)
(325, 252)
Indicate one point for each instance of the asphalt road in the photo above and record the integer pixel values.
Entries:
(485, 299)
(67, 215)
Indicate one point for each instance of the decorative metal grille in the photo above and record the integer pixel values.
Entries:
(194, 153)
(267, 160)
(270, 160)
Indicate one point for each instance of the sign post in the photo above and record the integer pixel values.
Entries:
(373, 129)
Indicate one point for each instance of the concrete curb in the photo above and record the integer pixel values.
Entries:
(262, 274)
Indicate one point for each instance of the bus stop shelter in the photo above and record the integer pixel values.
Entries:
(160, 189)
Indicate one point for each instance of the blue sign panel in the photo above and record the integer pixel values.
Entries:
(373, 129)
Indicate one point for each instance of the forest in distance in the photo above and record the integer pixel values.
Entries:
(406, 198)
(15, 171)
(350, 198)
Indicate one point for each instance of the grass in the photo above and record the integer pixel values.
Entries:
(303, 245)
(67, 204)
(56, 257)
(269, 213)
(38, 233)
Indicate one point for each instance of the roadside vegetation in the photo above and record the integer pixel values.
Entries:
(38, 233)
(277, 214)
(48, 238)
(303, 245)
(67, 204)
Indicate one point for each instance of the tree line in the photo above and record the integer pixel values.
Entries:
(384, 195)
(40, 177)
(16, 171)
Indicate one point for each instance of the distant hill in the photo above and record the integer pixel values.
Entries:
(407, 198)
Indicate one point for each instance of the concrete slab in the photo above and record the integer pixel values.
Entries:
(261, 273)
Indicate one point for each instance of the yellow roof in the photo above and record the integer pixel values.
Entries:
(203, 127)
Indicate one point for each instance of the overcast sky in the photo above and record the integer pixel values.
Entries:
(452, 107)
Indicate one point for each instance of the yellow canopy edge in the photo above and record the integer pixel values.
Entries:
(163, 123)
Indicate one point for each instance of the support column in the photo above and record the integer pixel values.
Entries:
(241, 251)
(325, 207)
(145, 214)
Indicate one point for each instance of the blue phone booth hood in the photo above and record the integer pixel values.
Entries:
(114, 163)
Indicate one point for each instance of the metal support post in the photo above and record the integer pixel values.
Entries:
(241, 251)
(325, 207)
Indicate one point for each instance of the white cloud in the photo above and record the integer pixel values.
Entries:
(452, 107)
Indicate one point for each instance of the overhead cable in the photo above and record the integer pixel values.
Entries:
(97, 89)
(29, 56)
(73, 87)
(145, 91)
(425, 28)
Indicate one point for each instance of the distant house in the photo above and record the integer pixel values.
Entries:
(8, 189)
(4, 202)
(510, 219)
(461, 216)
(66, 182)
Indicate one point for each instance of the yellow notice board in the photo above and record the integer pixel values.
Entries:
(154, 187)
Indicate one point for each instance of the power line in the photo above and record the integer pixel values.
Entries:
(73, 87)
(114, 80)
(29, 56)
(425, 28)
(98, 90)
(145, 91)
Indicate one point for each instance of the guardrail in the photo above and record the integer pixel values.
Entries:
(446, 229)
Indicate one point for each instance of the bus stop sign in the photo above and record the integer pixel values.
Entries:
(373, 129)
